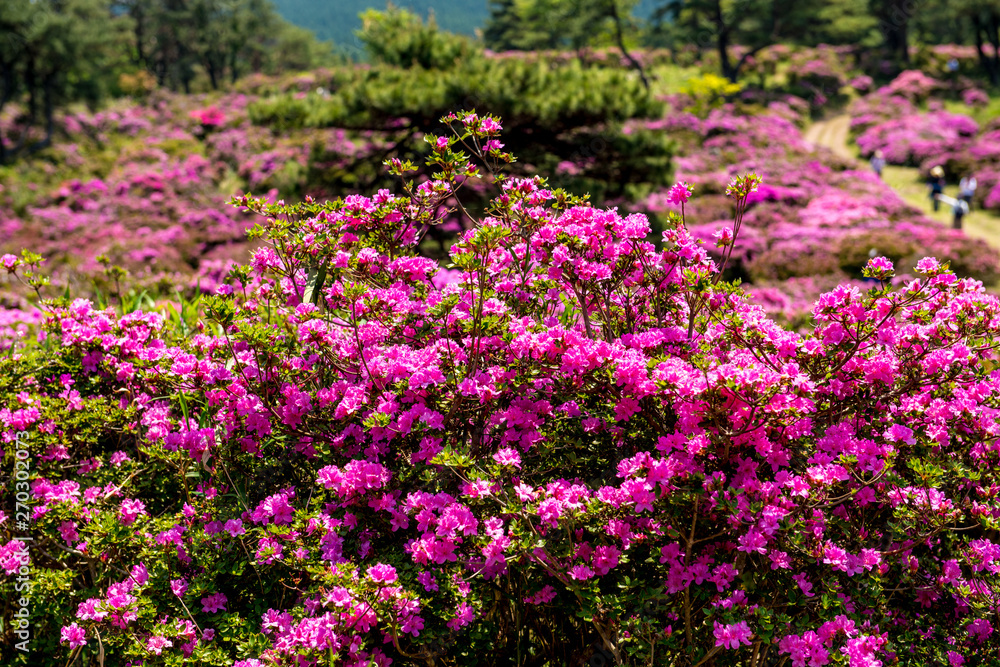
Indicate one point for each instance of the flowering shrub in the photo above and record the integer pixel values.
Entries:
(862, 84)
(815, 217)
(912, 84)
(573, 440)
(144, 181)
(975, 97)
(935, 58)
(139, 184)
(908, 135)
(817, 79)
(919, 137)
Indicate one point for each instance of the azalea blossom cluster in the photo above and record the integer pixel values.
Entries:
(575, 431)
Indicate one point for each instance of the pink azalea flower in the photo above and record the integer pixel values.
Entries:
(382, 574)
(679, 193)
(130, 510)
(73, 635)
(179, 587)
(733, 635)
(157, 644)
(214, 603)
(508, 457)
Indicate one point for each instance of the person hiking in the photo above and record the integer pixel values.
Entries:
(936, 184)
(959, 209)
(878, 163)
(967, 189)
(952, 67)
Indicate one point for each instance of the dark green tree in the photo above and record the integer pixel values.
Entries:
(717, 25)
(722, 24)
(894, 18)
(225, 39)
(401, 38)
(981, 20)
(841, 22)
(53, 52)
(562, 24)
(292, 49)
(503, 28)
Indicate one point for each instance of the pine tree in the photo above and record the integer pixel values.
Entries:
(53, 52)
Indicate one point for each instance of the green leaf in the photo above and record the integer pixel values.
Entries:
(314, 283)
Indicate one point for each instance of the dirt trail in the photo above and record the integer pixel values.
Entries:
(832, 133)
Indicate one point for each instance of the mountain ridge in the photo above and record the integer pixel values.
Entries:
(337, 21)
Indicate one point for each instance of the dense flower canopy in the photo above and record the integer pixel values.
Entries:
(574, 439)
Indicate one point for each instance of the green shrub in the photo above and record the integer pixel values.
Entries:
(855, 251)
(399, 37)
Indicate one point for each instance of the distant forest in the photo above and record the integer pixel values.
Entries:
(337, 20)
(54, 53)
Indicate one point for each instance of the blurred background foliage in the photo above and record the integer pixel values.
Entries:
(57, 52)
(593, 93)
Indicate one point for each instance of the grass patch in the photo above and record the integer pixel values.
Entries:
(981, 115)
(669, 79)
